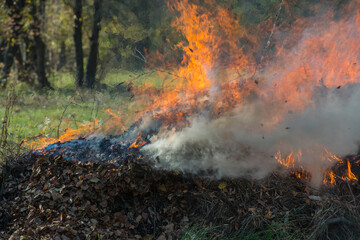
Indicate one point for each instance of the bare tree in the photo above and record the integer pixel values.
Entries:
(94, 46)
(79, 55)
(15, 9)
(37, 12)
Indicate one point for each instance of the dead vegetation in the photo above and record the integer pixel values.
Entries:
(47, 197)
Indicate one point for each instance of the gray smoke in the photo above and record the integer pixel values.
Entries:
(245, 141)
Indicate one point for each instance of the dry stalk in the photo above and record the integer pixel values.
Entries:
(269, 38)
(7, 117)
(351, 192)
(61, 118)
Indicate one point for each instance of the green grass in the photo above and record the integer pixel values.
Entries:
(40, 113)
(274, 231)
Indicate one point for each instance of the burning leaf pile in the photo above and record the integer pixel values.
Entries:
(49, 197)
(225, 115)
(231, 114)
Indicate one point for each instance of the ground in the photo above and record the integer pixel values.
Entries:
(47, 197)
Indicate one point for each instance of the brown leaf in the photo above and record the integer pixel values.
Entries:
(170, 227)
(268, 214)
(145, 215)
(162, 188)
(138, 219)
(222, 185)
(252, 210)
(104, 204)
(94, 180)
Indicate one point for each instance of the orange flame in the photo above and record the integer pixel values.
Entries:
(138, 142)
(350, 175)
(326, 56)
(212, 56)
(329, 178)
(292, 162)
(85, 129)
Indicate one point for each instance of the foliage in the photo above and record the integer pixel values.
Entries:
(132, 28)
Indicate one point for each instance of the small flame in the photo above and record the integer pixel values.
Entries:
(84, 130)
(292, 162)
(139, 142)
(329, 178)
(350, 175)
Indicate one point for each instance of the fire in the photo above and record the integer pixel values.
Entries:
(115, 124)
(326, 57)
(213, 58)
(216, 76)
(84, 130)
(329, 178)
(212, 39)
(138, 142)
(350, 175)
(292, 162)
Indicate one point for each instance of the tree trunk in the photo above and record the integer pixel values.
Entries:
(2, 50)
(40, 62)
(94, 46)
(62, 57)
(39, 44)
(15, 9)
(8, 62)
(79, 56)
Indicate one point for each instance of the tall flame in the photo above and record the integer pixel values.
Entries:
(350, 175)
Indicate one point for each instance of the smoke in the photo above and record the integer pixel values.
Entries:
(307, 101)
(244, 142)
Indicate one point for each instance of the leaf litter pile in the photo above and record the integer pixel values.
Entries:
(47, 197)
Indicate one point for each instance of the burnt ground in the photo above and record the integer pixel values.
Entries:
(49, 197)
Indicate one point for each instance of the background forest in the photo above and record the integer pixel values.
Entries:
(63, 63)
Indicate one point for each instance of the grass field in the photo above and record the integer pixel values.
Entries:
(37, 113)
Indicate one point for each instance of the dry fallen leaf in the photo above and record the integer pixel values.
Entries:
(222, 185)
(94, 180)
(138, 219)
(268, 214)
(162, 188)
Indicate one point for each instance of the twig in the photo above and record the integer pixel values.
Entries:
(143, 57)
(61, 118)
(93, 108)
(352, 194)
(7, 117)
(140, 75)
(154, 222)
(134, 55)
(167, 72)
(4, 176)
(157, 69)
(340, 220)
(274, 25)
(269, 38)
